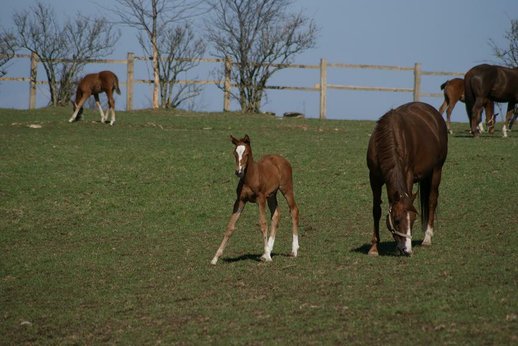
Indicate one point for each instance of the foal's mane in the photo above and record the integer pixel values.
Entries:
(390, 157)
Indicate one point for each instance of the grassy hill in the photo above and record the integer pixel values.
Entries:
(106, 236)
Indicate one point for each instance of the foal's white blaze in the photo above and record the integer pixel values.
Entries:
(240, 150)
(408, 241)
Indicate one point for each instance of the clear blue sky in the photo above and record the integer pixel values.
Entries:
(442, 35)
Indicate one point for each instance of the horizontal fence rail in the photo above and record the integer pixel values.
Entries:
(227, 85)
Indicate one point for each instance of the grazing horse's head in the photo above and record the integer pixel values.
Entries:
(242, 152)
(400, 220)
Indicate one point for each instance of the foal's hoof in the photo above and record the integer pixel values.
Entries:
(293, 254)
(266, 258)
(373, 253)
(426, 243)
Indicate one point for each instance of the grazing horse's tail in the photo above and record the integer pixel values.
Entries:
(424, 198)
(116, 85)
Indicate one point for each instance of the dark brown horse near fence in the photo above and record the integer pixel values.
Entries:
(490, 83)
(259, 182)
(408, 145)
(94, 84)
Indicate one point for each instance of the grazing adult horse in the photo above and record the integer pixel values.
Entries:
(490, 83)
(409, 144)
(259, 182)
(94, 84)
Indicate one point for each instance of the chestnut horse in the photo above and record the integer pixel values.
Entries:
(409, 144)
(484, 84)
(94, 84)
(259, 182)
(454, 92)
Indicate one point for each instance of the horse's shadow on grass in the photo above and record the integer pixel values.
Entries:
(251, 257)
(385, 248)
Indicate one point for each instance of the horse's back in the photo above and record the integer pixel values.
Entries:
(497, 83)
(415, 131)
(276, 169)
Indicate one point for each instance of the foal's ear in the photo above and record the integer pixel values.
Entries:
(246, 139)
(234, 140)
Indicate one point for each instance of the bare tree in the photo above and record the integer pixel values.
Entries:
(178, 51)
(152, 17)
(508, 55)
(7, 50)
(257, 35)
(62, 49)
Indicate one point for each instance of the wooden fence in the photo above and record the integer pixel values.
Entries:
(320, 87)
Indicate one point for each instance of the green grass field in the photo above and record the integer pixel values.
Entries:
(106, 236)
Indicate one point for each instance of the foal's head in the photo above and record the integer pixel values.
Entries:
(400, 220)
(242, 152)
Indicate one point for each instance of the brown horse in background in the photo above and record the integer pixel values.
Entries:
(259, 182)
(94, 84)
(408, 145)
(454, 92)
(484, 84)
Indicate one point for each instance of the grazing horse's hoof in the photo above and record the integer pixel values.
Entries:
(373, 252)
(214, 261)
(293, 254)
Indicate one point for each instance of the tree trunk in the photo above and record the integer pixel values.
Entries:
(156, 72)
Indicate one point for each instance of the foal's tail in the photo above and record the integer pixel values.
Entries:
(424, 198)
(116, 85)
(443, 85)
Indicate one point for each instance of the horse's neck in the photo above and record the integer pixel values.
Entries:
(396, 179)
(251, 170)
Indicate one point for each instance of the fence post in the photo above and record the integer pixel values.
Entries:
(129, 81)
(417, 82)
(323, 88)
(34, 79)
(227, 84)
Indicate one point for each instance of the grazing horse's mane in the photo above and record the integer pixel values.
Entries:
(389, 153)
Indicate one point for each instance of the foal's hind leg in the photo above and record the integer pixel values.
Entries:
(490, 117)
(294, 210)
(448, 113)
(111, 104)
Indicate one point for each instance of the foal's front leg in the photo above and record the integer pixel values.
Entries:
(238, 208)
(98, 104)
